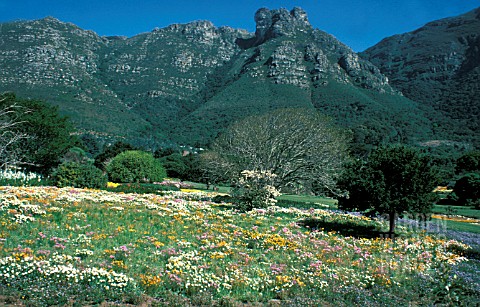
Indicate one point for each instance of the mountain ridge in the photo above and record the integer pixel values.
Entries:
(186, 82)
(437, 65)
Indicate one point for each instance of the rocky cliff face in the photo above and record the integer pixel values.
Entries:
(100, 79)
(171, 62)
(297, 54)
(438, 65)
(276, 23)
(60, 63)
(189, 81)
(47, 51)
(287, 63)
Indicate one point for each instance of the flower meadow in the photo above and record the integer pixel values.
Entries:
(65, 245)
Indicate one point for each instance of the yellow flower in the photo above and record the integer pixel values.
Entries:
(158, 244)
(150, 280)
(190, 190)
(112, 185)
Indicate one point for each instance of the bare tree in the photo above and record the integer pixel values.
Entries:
(301, 147)
(10, 155)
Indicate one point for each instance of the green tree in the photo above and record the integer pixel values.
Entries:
(467, 188)
(175, 165)
(135, 166)
(164, 152)
(111, 151)
(91, 144)
(394, 180)
(468, 163)
(50, 135)
(76, 154)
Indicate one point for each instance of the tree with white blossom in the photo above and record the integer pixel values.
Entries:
(255, 189)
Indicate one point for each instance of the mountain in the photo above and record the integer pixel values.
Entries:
(185, 83)
(438, 65)
(100, 82)
(59, 63)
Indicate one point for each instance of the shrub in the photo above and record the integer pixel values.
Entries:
(142, 188)
(135, 166)
(79, 175)
(110, 152)
(255, 190)
(467, 189)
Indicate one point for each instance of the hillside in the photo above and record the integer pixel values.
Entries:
(185, 83)
(438, 65)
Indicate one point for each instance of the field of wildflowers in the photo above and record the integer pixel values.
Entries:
(66, 245)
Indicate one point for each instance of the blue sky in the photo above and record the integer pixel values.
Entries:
(357, 23)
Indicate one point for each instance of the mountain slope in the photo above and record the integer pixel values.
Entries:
(59, 63)
(289, 64)
(186, 83)
(439, 66)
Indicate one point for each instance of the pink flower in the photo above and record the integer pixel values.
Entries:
(277, 269)
(316, 264)
(43, 252)
(175, 278)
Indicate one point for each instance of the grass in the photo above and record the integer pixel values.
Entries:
(65, 246)
(462, 226)
(453, 222)
(316, 201)
(203, 186)
(457, 210)
(304, 201)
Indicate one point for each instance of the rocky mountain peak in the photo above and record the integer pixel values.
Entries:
(275, 23)
(51, 19)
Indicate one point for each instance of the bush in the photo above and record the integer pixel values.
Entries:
(142, 188)
(135, 166)
(255, 190)
(467, 189)
(110, 152)
(79, 175)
